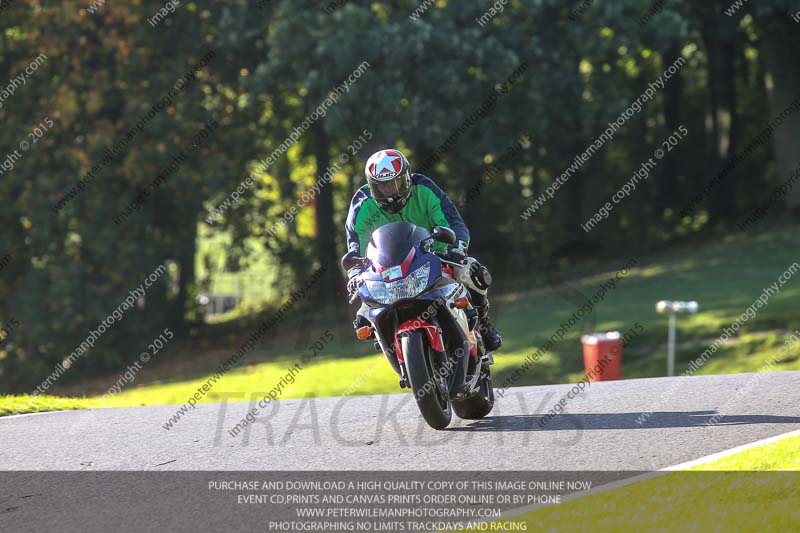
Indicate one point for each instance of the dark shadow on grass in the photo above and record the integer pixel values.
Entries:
(603, 421)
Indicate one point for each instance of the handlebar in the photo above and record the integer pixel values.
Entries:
(445, 256)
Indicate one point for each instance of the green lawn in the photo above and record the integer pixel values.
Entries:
(781, 455)
(754, 491)
(725, 277)
(17, 405)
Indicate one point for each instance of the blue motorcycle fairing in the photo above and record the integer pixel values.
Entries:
(421, 257)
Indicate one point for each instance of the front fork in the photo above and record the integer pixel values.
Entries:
(467, 368)
(385, 347)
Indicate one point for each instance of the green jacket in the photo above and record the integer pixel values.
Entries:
(427, 207)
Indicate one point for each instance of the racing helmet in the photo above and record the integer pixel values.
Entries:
(389, 178)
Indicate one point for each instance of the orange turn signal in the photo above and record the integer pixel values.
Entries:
(461, 303)
(364, 332)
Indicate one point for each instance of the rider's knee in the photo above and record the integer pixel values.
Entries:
(476, 276)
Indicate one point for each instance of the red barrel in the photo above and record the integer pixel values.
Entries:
(602, 356)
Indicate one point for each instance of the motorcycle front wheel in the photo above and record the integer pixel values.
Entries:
(427, 375)
(480, 403)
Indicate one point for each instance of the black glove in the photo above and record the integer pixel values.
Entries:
(353, 284)
(457, 253)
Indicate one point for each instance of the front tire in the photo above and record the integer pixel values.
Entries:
(428, 385)
(480, 403)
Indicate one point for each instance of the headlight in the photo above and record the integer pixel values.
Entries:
(408, 287)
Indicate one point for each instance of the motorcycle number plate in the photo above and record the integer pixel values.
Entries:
(393, 273)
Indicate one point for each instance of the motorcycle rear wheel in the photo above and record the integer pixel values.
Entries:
(427, 378)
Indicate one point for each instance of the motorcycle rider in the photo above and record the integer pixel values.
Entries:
(392, 193)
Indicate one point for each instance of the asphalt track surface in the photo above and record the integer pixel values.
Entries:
(120, 470)
(600, 429)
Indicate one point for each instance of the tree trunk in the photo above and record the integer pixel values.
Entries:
(518, 259)
(720, 41)
(331, 282)
(779, 46)
(670, 169)
(723, 200)
(186, 277)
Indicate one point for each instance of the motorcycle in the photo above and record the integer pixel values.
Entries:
(421, 317)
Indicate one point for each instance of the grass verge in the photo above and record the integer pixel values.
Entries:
(19, 405)
(754, 490)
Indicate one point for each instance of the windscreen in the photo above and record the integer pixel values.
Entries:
(390, 244)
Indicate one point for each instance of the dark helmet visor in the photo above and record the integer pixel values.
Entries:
(392, 190)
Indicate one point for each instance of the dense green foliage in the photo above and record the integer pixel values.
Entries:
(273, 63)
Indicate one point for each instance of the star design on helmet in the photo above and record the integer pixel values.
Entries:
(385, 163)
